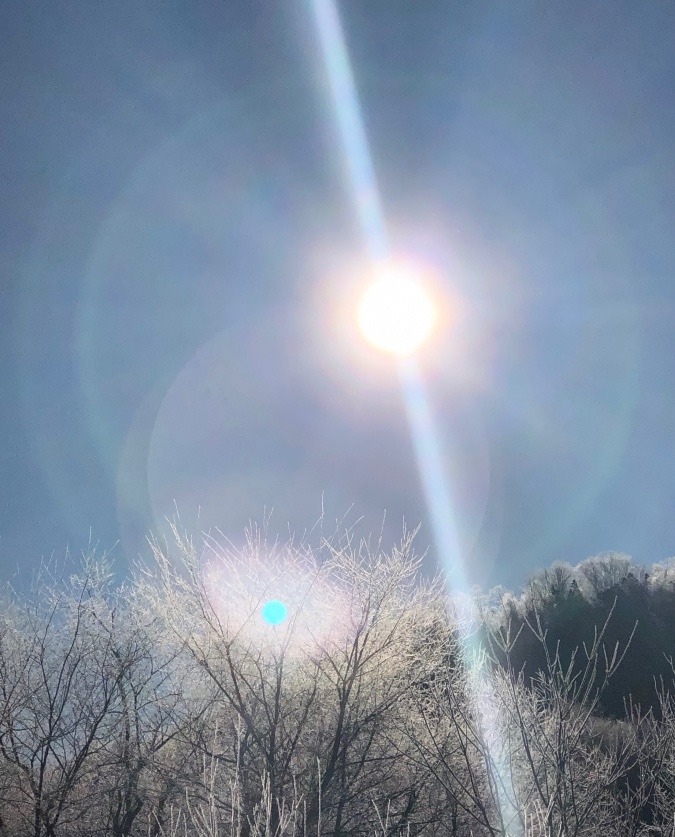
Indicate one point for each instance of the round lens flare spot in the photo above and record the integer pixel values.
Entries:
(396, 314)
(274, 612)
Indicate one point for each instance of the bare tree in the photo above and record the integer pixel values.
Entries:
(601, 572)
(169, 707)
(567, 772)
(655, 788)
(322, 690)
(59, 685)
(156, 718)
(550, 584)
(456, 734)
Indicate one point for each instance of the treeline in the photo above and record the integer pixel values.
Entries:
(167, 706)
(569, 602)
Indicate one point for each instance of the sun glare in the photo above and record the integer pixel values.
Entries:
(396, 313)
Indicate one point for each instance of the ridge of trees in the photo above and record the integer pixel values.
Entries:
(166, 707)
(570, 601)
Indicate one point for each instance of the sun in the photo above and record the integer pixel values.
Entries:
(397, 314)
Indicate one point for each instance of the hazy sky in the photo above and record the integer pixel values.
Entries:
(179, 244)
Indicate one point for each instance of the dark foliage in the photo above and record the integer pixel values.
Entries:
(572, 601)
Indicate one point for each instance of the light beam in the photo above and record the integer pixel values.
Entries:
(423, 432)
(350, 127)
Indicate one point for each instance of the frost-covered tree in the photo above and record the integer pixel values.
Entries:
(58, 688)
(601, 572)
(566, 773)
(283, 691)
(314, 700)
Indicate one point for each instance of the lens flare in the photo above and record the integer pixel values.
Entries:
(259, 585)
(397, 314)
(274, 612)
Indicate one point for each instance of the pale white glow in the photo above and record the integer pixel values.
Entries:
(396, 313)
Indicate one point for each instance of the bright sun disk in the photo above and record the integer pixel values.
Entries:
(396, 313)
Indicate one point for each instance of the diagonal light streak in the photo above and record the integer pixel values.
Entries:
(423, 432)
(434, 481)
(440, 508)
(351, 128)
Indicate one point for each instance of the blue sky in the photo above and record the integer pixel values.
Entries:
(177, 234)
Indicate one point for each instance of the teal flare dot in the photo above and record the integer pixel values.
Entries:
(274, 612)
